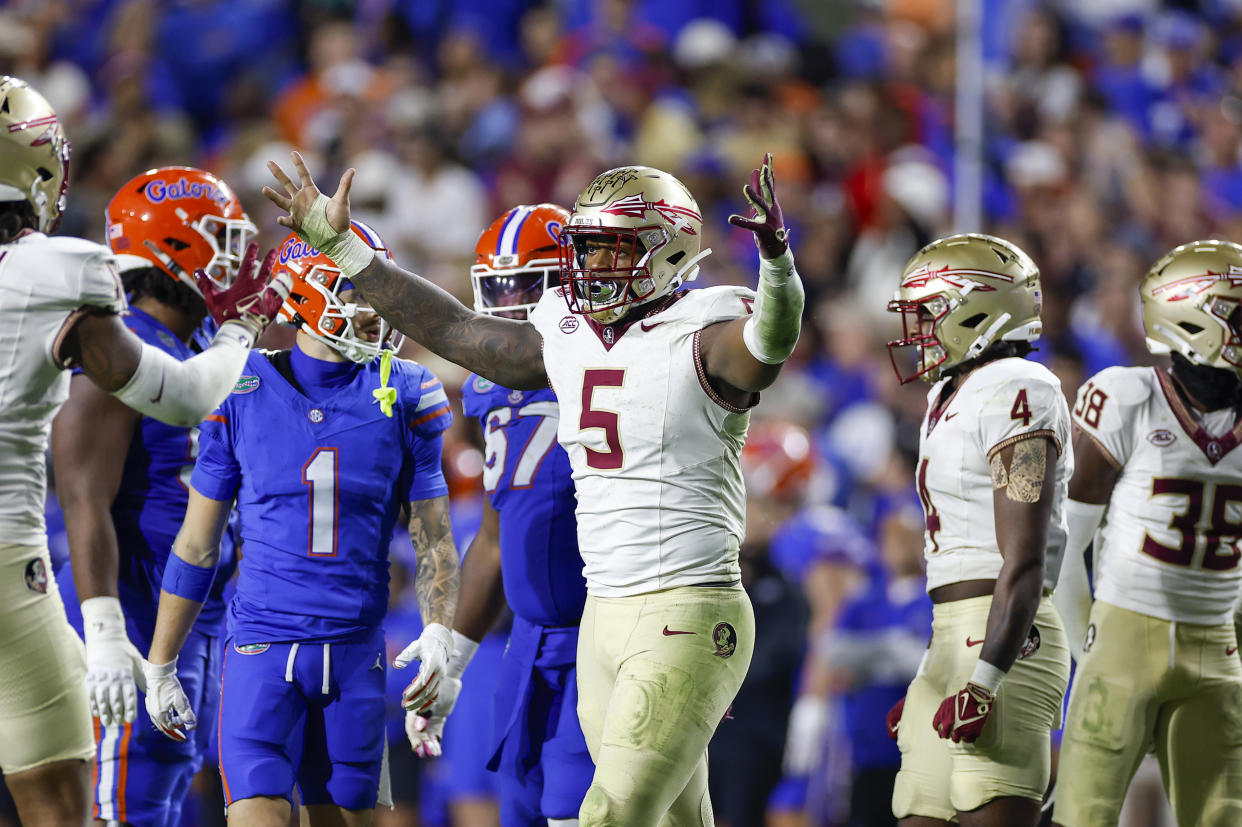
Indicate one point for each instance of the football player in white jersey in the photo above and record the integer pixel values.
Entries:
(1159, 488)
(60, 305)
(655, 385)
(994, 465)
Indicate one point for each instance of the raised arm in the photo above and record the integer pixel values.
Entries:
(507, 351)
(157, 385)
(747, 353)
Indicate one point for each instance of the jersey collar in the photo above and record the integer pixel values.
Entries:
(1214, 448)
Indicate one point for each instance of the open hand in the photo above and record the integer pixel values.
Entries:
(766, 220)
(315, 224)
(253, 298)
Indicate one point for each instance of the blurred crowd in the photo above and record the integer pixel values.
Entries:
(1113, 132)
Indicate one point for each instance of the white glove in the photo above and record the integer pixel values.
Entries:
(113, 665)
(432, 650)
(426, 729)
(167, 704)
(805, 742)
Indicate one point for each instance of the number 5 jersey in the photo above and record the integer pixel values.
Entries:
(655, 451)
(1168, 545)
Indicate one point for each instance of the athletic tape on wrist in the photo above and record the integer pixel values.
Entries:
(347, 250)
(187, 580)
(987, 676)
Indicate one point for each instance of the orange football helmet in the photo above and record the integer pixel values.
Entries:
(516, 259)
(314, 305)
(180, 219)
(778, 461)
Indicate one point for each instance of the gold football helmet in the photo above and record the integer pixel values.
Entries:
(958, 296)
(34, 152)
(637, 213)
(1191, 301)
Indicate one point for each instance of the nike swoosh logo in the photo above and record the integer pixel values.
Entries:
(949, 416)
(669, 632)
(645, 328)
(1229, 650)
(970, 642)
(160, 395)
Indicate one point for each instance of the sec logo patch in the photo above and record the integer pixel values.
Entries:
(725, 639)
(1161, 438)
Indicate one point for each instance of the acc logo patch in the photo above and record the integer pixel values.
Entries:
(246, 384)
(725, 639)
(251, 648)
(1031, 646)
(1089, 640)
(569, 324)
(36, 576)
(483, 385)
(1161, 438)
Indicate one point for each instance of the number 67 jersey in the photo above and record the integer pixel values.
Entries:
(1170, 533)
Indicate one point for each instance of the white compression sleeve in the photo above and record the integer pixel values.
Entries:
(183, 393)
(772, 331)
(1072, 596)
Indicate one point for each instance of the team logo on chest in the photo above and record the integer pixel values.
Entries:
(246, 384)
(1161, 437)
(609, 336)
(315, 415)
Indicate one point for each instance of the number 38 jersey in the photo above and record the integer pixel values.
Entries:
(1001, 403)
(1170, 535)
(655, 451)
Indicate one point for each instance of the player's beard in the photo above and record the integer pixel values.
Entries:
(1214, 388)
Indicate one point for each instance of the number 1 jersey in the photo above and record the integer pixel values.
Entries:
(319, 484)
(1174, 519)
(655, 451)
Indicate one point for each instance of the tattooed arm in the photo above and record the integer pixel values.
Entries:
(437, 575)
(506, 351)
(1023, 482)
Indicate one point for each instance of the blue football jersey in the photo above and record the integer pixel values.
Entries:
(319, 484)
(528, 480)
(150, 503)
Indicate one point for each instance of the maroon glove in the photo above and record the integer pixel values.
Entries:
(766, 220)
(253, 298)
(961, 717)
(893, 718)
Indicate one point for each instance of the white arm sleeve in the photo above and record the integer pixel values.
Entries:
(771, 333)
(1073, 593)
(183, 393)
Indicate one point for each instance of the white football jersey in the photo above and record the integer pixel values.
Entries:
(998, 404)
(1168, 547)
(44, 285)
(655, 451)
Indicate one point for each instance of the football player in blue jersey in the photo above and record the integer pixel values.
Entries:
(121, 479)
(525, 553)
(322, 446)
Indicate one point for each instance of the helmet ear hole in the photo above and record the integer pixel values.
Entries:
(1190, 327)
(44, 173)
(176, 243)
(676, 257)
(974, 320)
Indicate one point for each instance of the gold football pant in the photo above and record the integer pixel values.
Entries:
(656, 673)
(1012, 758)
(1147, 684)
(44, 712)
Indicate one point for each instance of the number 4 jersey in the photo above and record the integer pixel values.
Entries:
(1169, 539)
(1001, 403)
(654, 450)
